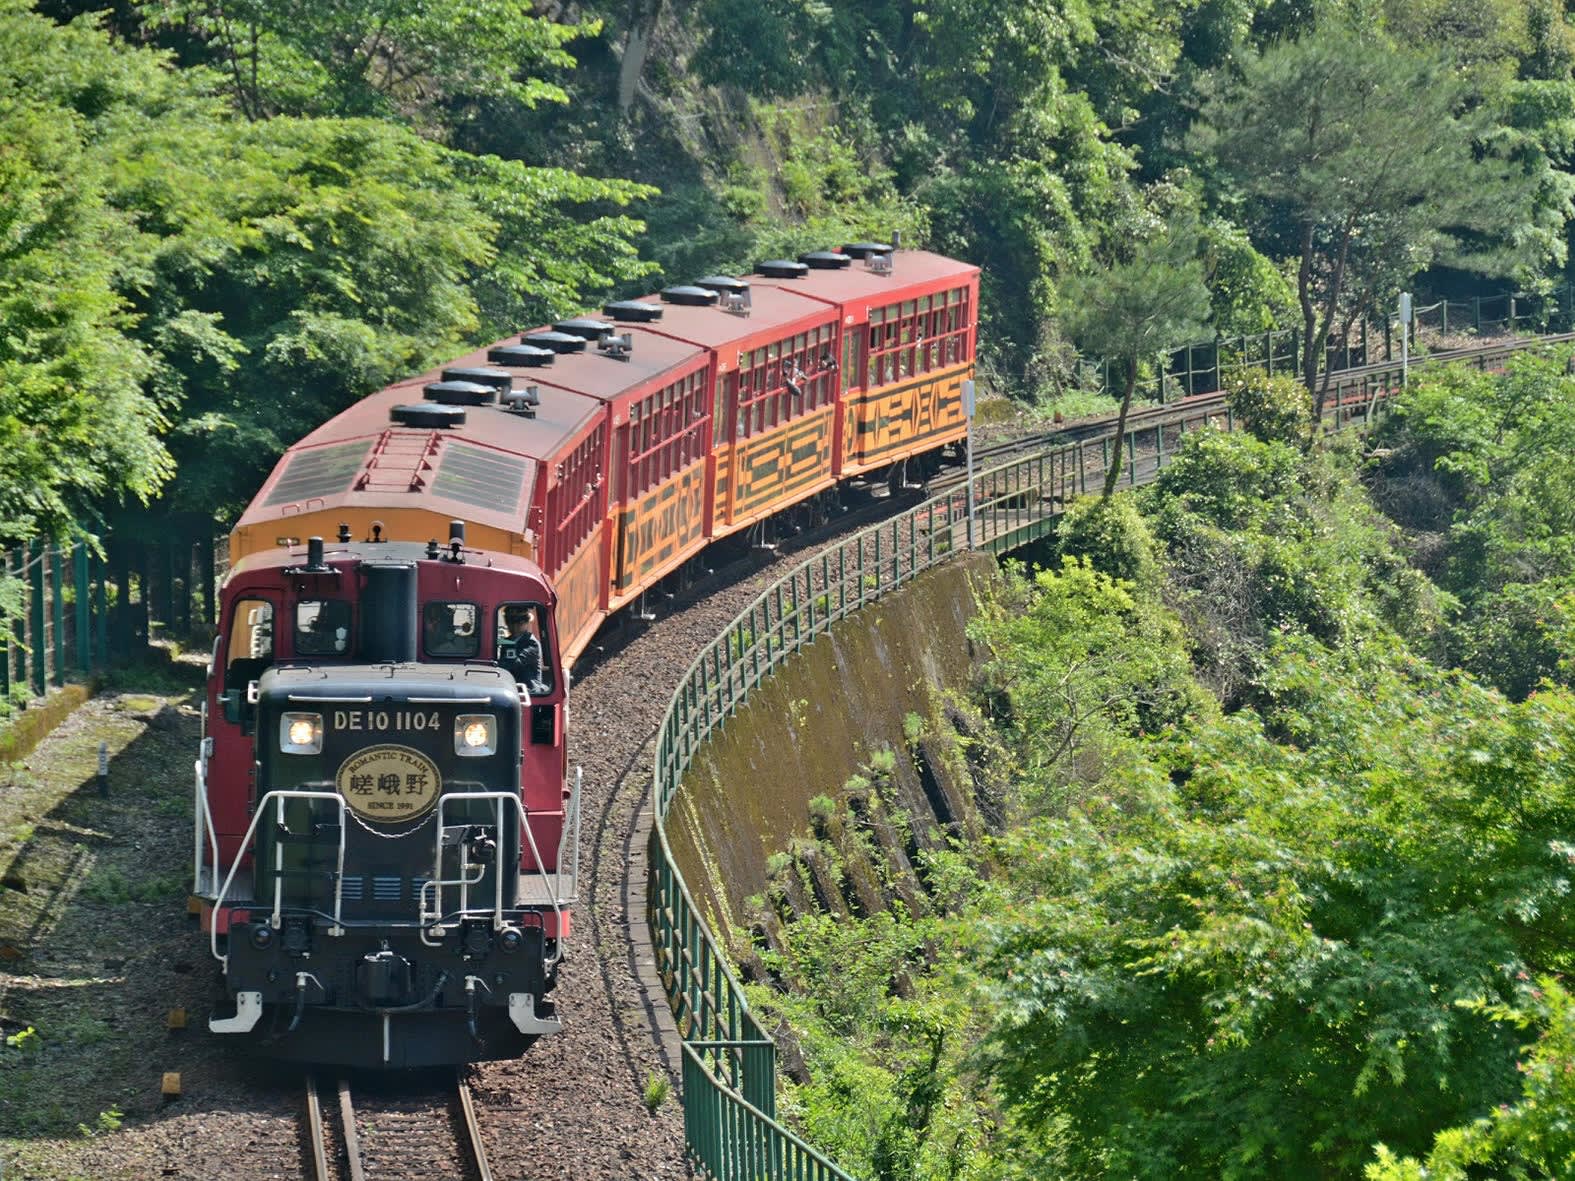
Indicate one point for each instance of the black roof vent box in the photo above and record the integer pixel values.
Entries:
(825, 260)
(634, 311)
(584, 327)
(691, 296)
(782, 268)
(428, 414)
(862, 250)
(558, 342)
(459, 393)
(721, 283)
(480, 375)
(521, 356)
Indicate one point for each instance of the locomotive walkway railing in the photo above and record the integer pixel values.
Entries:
(729, 1071)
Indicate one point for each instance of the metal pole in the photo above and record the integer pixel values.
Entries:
(40, 649)
(57, 597)
(1405, 337)
(968, 407)
(84, 589)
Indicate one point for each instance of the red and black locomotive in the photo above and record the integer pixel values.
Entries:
(386, 833)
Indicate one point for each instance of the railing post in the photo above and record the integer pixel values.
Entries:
(84, 590)
(7, 648)
(100, 612)
(57, 594)
(40, 680)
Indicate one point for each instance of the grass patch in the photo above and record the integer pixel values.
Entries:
(111, 887)
(657, 1088)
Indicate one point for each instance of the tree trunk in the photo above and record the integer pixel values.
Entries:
(1309, 313)
(1114, 473)
(637, 47)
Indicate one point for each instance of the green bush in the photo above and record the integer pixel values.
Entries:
(1112, 535)
(1275, 409)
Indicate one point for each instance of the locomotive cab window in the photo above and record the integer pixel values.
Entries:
(523, 645)
(250, 648)
(322, 627)
(449, 630)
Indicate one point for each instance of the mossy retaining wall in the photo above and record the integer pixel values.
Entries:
(812, 725)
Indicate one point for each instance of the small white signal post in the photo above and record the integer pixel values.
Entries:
(1405, 337)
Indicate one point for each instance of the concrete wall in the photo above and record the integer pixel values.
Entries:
(811, 725)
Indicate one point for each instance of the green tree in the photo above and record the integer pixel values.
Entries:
(1530, 1140)
(427, 60)
(1361, 156)
(77, 426)
(1148, 303)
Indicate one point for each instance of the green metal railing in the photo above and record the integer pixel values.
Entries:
(1205, 365)
(61, 627)
(73, 610)
(729, 1061)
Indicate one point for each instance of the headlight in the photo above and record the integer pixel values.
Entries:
(301, 734)
(475, 735)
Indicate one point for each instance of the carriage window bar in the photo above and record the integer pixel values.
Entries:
(577, 502)
(918, 336)
(666, 433)
(785, 380)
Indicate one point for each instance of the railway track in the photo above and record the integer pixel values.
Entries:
(402, 1134)
(1357, 382)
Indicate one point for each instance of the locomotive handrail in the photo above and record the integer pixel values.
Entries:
(279, 796)
(728, 1060)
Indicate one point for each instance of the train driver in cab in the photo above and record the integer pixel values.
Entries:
(519, 647)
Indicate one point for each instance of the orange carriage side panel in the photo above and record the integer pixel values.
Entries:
(773, 470)
(662, 528)
(579, 586)
(894, 422)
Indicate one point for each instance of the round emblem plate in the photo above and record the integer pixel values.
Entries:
(388, 784)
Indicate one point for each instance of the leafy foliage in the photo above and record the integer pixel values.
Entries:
(1272, 409)
(1241, 919)
(75, 423)
(369, 57)
(1532, 1138)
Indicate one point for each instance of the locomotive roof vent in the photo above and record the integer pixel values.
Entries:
(428, 414)
(481, 375)
(862, 250)
(616, 346)
(558, 342)
(825, 260)
(723, 284)
(634, 310)
(782, 268)
(584, 327)
(737, 302)
(459, 393)
(878, 264)
(692, 296)
(523, 401)
(521, 356)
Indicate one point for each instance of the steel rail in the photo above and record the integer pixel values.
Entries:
(1342, 382)
(352, 1137)
(467, 1108)
(314, 1129)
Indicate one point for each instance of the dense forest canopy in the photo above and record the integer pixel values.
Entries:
(223, 222)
